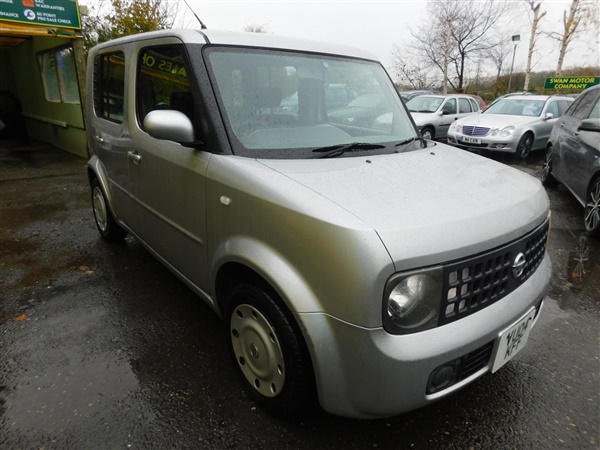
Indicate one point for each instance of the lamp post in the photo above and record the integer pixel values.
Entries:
(516, 38)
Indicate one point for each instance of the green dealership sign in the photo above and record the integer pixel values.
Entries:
(55, 13)
(571, 83)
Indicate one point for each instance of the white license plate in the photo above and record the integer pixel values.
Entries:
(512, 340)
(470, 140)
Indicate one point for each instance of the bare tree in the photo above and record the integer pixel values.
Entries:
(257, 28)
(582, 13)
(536, 14)
(410, 71)
(456, 33)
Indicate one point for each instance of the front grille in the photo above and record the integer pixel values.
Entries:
(477, 282)
(470, 130)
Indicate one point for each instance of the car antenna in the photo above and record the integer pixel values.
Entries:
(202, 26)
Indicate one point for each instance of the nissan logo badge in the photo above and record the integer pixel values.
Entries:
(519, 265)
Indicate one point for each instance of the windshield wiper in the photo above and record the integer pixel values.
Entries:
(411, 140)
(338, 150)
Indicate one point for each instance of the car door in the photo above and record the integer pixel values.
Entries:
(567, 136)
(168, 179)
(543, 127)
(582, 148)
(449, 112)
(108, 131)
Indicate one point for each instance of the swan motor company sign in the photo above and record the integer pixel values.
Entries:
(579, 83)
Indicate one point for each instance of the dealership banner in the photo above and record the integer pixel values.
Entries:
(54, 13)
(569, 82)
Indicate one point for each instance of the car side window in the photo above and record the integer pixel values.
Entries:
(464, 105)
(552, 109)
(449, 107)
(582, 106)
(563, 105)
(595, 113)
(474, 105)
(109, 86)
(163, 83)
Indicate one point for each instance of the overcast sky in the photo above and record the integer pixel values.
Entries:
(377, 25)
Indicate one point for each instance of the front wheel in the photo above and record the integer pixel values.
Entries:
(269, 351)
(591, 213)
(106, 223)
(427, 133)
(524, 146)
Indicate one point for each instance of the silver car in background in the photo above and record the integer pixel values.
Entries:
(514, 124)
(433, 114)
(573, 156)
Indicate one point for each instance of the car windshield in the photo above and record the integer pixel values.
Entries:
(424, 104)
(516, 107)
(280, 104)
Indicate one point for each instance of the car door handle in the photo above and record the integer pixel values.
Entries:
(99, 139)
(134, 156)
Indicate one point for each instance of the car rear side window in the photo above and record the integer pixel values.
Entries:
(464, 105)
(582, 106)
(595, 113)
(109, 86)
(163, 82)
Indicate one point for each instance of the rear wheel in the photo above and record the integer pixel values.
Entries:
(107, 226)
(269, 350)
(591, 213)
(547, 177)
(524, 146)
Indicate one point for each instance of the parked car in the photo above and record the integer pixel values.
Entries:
(433, 114)
(573, 156)
(480, 101)
(515, 124)
(359, 265)
(407, 95)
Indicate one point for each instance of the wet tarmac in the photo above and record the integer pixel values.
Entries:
(101, 347)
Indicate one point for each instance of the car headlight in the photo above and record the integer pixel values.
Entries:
(455, 128)
(505, 132)
(412, 301)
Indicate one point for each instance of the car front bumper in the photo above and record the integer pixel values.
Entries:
(491, 143)
(369, 373)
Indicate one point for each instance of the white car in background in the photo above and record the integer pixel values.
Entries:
(433, 114)
(516, 124)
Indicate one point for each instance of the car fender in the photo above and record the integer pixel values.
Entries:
(96, 170)
(269, 264)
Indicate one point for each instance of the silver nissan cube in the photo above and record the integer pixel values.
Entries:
(353, 262)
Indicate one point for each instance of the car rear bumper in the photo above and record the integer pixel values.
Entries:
(369, 373)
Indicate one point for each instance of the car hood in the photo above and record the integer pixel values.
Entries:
(430, 205)
(497, 120)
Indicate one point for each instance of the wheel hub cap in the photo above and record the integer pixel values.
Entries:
(257, 350)
(592, 208)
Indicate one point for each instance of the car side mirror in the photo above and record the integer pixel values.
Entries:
(170, 125)
(589, 125)
(548, 116)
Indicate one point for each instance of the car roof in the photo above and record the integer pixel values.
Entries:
(536, 97)
(244, 39)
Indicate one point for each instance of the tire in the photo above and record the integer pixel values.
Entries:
(269, 351)
(427, 133)
(107, 226)
(547, 177)
(524, 145)
(591, 214)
